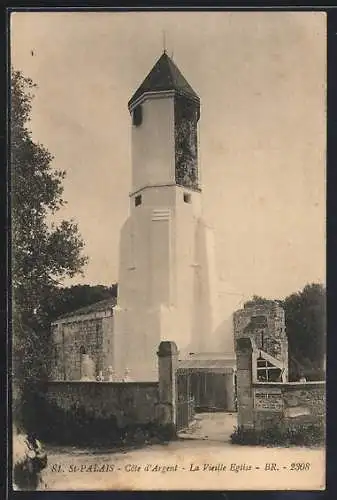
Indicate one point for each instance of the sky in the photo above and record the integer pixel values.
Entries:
(261, 78)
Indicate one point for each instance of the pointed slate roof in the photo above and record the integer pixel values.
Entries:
(164, 76)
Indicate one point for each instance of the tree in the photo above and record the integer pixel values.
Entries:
(43, 252)
(305, 313)
(256, 300)
(306, 330)
(69, 299)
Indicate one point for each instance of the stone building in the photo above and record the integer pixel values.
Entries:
(83, 338)
(264, 323)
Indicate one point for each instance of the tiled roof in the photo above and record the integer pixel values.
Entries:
(102, 305)
(164, 76)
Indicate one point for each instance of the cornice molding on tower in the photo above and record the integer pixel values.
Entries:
(160, 94)
(168, 184)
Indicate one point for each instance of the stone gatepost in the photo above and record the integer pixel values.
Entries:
(230, 391)
(167, 366)
(245, 399)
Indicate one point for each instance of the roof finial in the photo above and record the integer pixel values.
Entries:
(164, 41)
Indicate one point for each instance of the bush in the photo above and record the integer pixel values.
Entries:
(312, 434)
(78, 427)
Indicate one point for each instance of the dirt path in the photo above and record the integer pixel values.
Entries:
(203, 460)
(211, 426)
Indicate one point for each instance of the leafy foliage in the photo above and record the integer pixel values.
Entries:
(69, 299)
(257, 300)
(306, 330)
(43, 253)
(186, 142)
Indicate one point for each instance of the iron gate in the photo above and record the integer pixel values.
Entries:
(185, 400)
(209, 390)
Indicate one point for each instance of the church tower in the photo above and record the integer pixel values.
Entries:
(166, 274)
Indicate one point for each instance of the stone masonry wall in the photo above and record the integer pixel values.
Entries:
(269, 336)
(108, 342)
(244, 383)
(91, 335)
(300, 396)
(288, 404)
(128, 403)
(263, 405)
(95, 411)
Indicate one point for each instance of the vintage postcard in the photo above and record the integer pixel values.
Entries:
(168, 250)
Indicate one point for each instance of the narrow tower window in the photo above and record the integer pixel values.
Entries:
(138, 200)
(187, 198)
(137, 116)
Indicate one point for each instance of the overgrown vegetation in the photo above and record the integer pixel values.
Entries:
(309, 434)
(305, 313)
(79, 427)
(68, 299)
(44, 252)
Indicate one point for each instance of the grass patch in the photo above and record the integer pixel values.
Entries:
(311, 434)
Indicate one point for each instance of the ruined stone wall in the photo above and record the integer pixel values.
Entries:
(269, 335)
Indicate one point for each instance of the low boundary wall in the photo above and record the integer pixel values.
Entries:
(269, 404)
(126, 402)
